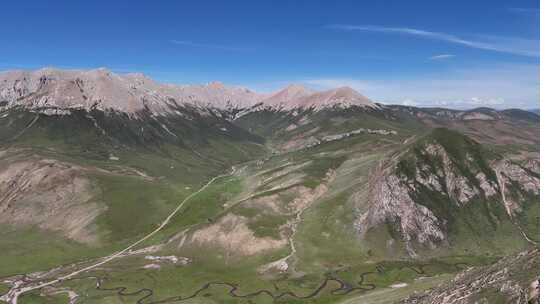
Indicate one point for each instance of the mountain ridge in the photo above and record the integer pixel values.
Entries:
(132, 92)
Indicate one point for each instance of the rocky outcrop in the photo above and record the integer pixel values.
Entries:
(170, 258)
(393, 203)
(513, 279)
(339, 136)
(458, 187)
(311, 141)
(512, 173)
(399, 192)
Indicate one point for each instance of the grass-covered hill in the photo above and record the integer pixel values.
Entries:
(188, 128)
(81, 184)
(294, 129)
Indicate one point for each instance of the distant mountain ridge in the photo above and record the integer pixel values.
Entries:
(104, 90)
(101, 89)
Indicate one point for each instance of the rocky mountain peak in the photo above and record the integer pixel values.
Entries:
(216, 85)
(346, 90)
(288, 95)
(103, 89)
(343, 96)
(296, 89)
(297, 96)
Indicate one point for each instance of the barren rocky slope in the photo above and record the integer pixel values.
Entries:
(513, 279)
(48, 194)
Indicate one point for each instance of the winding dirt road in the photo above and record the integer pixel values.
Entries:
(17, 290)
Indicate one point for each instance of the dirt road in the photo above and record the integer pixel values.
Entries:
(18, 289)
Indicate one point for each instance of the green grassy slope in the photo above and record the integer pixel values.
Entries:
(326, 240)
(280, 126)
(115, 154)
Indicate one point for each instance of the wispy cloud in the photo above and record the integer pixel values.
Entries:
(526, 10)
(442, 57)
(502, 86)
(509, 45)
(210, 46)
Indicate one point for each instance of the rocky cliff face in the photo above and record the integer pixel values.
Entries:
(393, 203)
(446, 171)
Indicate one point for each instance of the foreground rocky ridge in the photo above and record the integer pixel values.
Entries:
(420, 192)
(513, 279)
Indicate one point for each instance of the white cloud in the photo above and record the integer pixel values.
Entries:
(486, 102)
(526, 10)
(209, 46)
(503, 86)
(509, 45)
(329, 83)
(442, 57)
(409, 102)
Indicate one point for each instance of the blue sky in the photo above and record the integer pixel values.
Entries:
(450, 53)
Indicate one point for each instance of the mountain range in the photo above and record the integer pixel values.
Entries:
(130, 93)
(117, 186)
